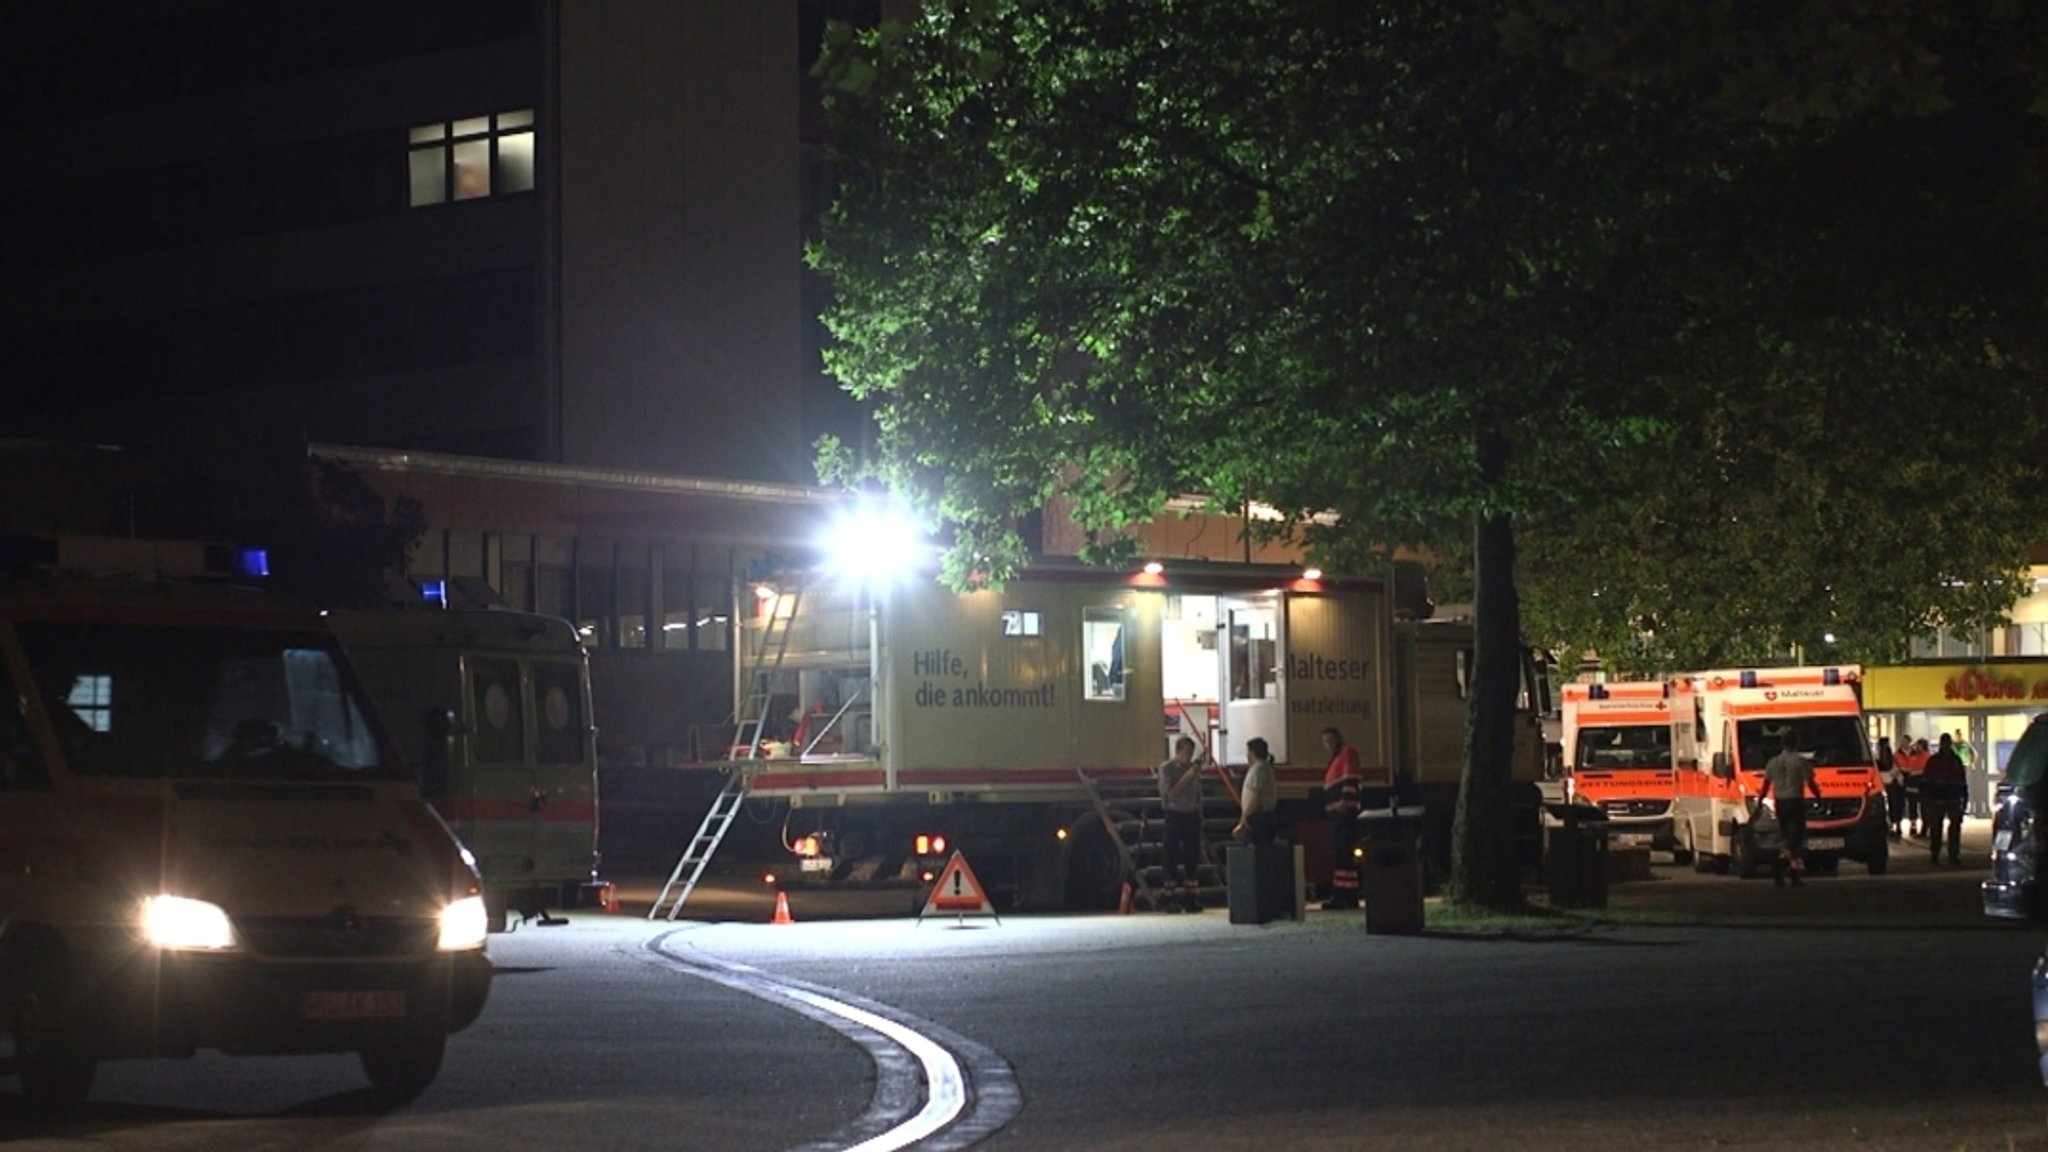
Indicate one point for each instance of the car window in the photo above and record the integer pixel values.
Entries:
(2029, 763)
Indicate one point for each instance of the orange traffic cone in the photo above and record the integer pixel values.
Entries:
(782, 915)
(1123, 903)
(609, 898)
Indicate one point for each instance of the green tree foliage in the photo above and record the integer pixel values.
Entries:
(1414, 262)
(1859, 454)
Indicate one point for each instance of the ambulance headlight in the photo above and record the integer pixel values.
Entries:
(181, 924)
(464, 925)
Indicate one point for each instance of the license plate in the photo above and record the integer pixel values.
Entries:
(2002, 840)
(1634, 838)
(356, 1004)
(1826, 843)
(815, 864)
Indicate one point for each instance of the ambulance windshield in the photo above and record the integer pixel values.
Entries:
(1625, 746)
(146, 700)
(1827, 741)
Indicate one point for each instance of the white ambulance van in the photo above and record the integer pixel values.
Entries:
(521, 784)
(205, 842)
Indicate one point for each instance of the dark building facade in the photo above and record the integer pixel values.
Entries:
(536, 264)
(554, 230)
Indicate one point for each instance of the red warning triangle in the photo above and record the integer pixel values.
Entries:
(958, 893)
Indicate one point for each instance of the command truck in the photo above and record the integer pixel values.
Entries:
(878, 718)
(1729, 723)
(206, 839)
(1617, 759)
(504, 698)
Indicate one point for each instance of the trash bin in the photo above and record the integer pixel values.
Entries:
(1264, 882)
(1391, 878)
(1576, 863)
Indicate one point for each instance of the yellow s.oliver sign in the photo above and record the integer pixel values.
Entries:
(1955, 687)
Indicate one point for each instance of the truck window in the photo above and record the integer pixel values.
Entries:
(1102, 649)
(500, 736)
(187, 702)
(558, 697)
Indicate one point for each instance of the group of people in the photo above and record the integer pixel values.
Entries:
(1928, 791)
(1180, 795)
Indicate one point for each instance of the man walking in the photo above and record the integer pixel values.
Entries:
(1789, 777)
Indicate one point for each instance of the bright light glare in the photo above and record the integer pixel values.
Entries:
(1311, 573)
(178, 923)
(1154, 567)
(464, 925)
(873, 544)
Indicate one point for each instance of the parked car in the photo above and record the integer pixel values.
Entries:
(2019, 830)
(2018, 833)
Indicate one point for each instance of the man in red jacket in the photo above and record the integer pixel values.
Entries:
(1341, 782)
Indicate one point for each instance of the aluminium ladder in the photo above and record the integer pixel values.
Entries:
(710, 832)
(750, 717)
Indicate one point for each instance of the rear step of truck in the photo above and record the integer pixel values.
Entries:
(1131, 812)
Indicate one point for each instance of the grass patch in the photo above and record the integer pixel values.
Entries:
(1534, 920)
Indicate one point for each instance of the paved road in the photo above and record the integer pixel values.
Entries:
(1855, 1012)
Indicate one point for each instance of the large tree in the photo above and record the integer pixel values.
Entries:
(1869, 464)
(1373, 258)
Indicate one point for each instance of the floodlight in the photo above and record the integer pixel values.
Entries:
(875, 544)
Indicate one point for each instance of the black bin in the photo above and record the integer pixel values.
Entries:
(1576, 862)
(1391, 879)
(1263, 882)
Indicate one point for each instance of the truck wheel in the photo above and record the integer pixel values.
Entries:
(1095, 870)
(1878, 860)
(55, 1068)
(400, 1069)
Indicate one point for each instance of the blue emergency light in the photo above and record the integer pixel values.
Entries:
(253, 563)
(434, 592)
(1831, 676)
(1748, 679)
(1597, 692)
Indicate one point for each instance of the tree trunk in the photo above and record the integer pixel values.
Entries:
(1484, 870)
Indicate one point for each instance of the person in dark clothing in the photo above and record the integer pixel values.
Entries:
(1789, 777)
(1180, 794)
(1944, 790)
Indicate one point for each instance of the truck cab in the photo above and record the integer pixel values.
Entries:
(206, 840)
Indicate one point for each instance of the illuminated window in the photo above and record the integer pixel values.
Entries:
(1102, 648)
(473, 158)
(1021, 622)
(92, 700)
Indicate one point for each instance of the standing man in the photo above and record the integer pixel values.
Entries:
(1341, 782)
(1255, 822)
(1180, 793)
(1978, 773)
(1944, 790)
(1789, 777)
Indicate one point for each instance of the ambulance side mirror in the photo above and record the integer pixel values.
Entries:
(437, 750)
(1723, 767)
